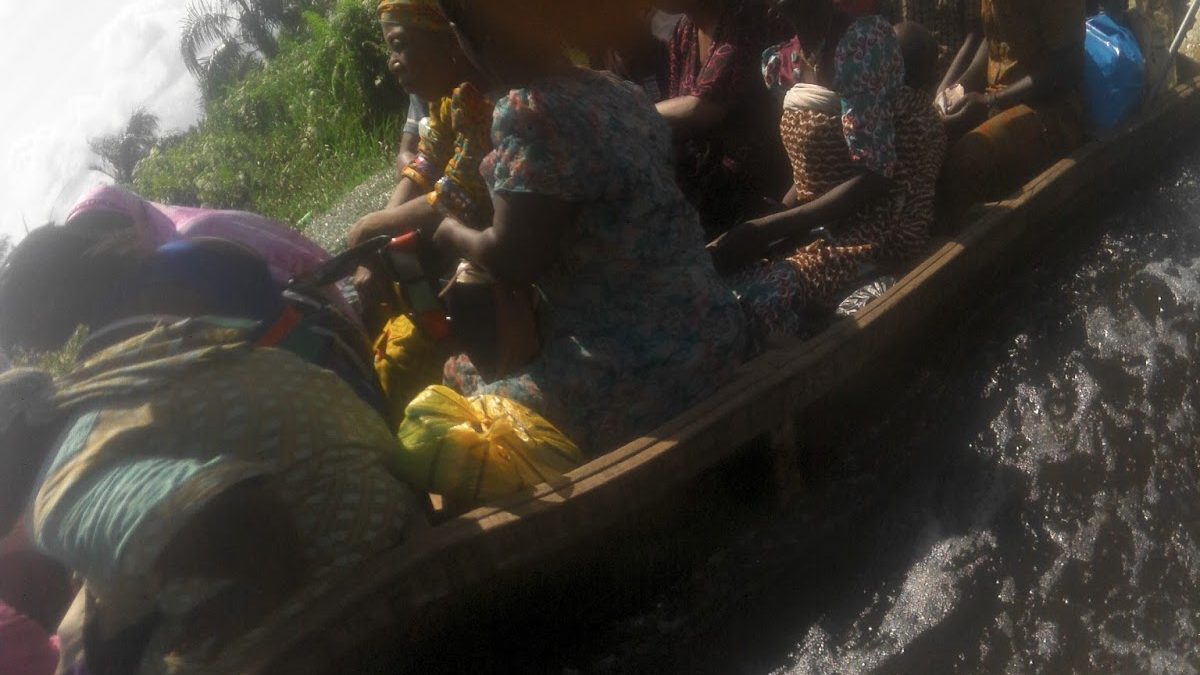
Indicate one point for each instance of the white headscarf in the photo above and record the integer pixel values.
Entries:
(813, 97)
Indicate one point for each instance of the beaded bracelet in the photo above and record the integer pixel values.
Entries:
(452, 201)
(422, 172)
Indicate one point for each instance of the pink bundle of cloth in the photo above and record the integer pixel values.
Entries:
(287, 253)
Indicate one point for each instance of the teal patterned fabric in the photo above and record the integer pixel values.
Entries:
(637, 325)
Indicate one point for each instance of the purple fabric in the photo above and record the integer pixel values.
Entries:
(287, 253)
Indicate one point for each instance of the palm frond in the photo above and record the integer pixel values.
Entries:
(208, 22)
(257, 30)
(142, 125)
(227, 64)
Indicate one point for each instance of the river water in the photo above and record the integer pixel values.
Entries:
(1024, 500)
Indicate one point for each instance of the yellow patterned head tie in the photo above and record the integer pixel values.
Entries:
(419, 14)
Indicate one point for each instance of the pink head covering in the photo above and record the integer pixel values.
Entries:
(288, 253)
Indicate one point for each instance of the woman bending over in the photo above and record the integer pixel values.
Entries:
(204, 489)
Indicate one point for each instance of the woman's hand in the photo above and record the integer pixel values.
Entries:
(373, 225)
(414, 215)
(966, 113)
(524, 241)
(740, 246)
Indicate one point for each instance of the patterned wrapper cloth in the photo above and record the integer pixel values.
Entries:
(421, 14)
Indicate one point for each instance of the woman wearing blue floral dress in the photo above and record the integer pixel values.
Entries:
(635, 325)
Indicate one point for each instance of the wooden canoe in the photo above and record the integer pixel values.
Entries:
(513, 541)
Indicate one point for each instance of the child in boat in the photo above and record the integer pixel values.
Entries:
(203, 488)
(635, 326)
(865, 151)
(1013, 100)
(723, 119)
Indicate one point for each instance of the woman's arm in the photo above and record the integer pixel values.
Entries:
(830, 208)
(751, 240)
(970, 65)
(1061, 71)
(692, 116)
(523, 241)
(415, 214)
(406, 191)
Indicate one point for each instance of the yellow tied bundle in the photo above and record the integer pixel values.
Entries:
(478, 450)
(419, 14)
(406, 361)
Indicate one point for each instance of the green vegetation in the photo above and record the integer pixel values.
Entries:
(58, 362)
(223, 39)
(296, 132)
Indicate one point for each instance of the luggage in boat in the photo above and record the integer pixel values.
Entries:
(1114, 74)
(475, 450)
(407, 361)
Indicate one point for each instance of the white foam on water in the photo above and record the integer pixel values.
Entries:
(932, 589)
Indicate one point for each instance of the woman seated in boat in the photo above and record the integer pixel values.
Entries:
(634, 325)
(203, 488)
(443, 178)
(1013, 98)
(865, 152)
(724, 121)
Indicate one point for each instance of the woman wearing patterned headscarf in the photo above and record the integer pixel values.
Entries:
(441, 181)
(444, 178)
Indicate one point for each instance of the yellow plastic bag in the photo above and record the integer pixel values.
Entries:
(474, 451)
(406, 361)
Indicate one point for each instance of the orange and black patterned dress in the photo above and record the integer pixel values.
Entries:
(869, 121)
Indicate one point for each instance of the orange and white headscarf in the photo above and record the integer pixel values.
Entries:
(420, 14)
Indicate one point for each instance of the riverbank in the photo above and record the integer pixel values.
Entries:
(330, 227)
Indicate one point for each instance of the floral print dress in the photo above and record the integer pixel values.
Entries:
(636, 325)
(881, 126)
